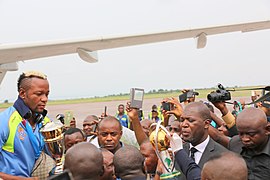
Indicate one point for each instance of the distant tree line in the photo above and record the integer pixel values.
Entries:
(163, 91)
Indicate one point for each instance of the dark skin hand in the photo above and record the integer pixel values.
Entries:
(136, 125)
(177, 109)
(218, 137)
(165, 115)
(222, 107)
(72, 123)
(216, 119)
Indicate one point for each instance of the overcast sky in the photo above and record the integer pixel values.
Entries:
(232, 59)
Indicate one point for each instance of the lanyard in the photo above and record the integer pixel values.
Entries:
(37, 145)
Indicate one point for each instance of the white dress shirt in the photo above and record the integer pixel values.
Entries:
(200, 147)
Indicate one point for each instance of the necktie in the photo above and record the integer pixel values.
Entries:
(192, 151)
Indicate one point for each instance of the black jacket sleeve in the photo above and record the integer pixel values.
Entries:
(190, 169)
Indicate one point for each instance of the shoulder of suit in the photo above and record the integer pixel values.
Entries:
(217, 146)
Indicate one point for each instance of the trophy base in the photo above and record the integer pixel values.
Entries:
(174, 175)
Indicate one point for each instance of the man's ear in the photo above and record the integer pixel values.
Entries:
(22, 93)
(267, 129)
(207, 123)
(121, 133)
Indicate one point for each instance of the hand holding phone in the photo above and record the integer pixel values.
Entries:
(166, 106)
(136, 98)
(68, 117)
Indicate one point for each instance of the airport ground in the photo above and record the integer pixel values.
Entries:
(81, 110)
(97, 108)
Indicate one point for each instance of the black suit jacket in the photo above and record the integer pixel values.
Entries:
(189, 168)
(211, 149)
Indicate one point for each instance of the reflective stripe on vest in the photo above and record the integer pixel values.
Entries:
(13, 123)
(46, 120)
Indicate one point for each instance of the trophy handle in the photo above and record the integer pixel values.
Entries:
(158, 125)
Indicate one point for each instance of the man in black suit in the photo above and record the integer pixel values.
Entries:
(196, 120)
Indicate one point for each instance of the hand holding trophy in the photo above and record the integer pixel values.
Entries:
(159, 139)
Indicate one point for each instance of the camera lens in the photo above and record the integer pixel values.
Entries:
(213, 97)
(209, 97)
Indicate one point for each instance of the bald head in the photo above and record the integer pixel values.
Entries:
(85, 161)
(225, 166)
(200, 108)
(252, 116)
(108, 120)
(253, 128)
(91, 118)
(131, 166)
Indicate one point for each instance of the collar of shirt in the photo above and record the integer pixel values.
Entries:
(21, 107)
(200, 147)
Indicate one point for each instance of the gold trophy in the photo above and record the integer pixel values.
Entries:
(161, 144)
(53, 137)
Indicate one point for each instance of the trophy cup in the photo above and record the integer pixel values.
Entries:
(53, 137)
(161, 144)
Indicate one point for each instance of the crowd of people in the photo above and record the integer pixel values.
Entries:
(235, 146)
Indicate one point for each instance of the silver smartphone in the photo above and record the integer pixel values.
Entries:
(136, 98)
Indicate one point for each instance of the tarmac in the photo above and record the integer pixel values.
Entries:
(97, 108)
(82, 110)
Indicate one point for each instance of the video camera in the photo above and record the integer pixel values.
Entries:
(220, 95)
(189, 94)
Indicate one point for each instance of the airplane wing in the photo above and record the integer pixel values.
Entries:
(2, 75)
(19, 52)
(7, 67)
(86, 48)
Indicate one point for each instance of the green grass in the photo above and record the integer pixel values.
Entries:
(202, 94)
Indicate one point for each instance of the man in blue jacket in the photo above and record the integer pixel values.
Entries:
(21, 143)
